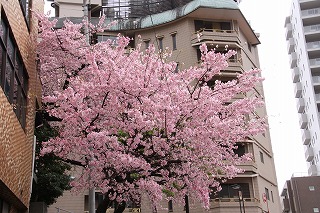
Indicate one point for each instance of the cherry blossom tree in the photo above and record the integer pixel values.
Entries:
(135, 125)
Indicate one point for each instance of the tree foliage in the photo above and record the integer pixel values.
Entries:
(136, 125)
(52, 179)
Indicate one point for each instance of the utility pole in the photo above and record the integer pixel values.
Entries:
(92, 199)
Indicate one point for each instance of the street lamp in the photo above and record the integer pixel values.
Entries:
(241, 201)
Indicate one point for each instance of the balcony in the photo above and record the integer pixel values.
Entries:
(293, 60)
(300, 105)
(298, 90)
(309, 154)
(312, 32)
(317, 98)
(310, 16)
(312, 170)
(232, 204)
(295, 74)
(249, 167)
(216, 36)
(306, 137)
(316, 82)
(290, 45)
(315, 65)
(306, 4)
(288, 31)
(313, 49)
(303, 121)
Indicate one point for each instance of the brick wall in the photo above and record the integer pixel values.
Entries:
(16, 143)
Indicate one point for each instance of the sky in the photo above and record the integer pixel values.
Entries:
(267, 18)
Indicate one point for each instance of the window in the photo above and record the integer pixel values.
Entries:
(229, 191)
(261, 157)
(311, 188)
(271, 193)
(249, 46)
(315, 209)
(13, 78)
(170, 206)
(146, 43)
(160, 43)
(177, 68)
(25, 9)
(174, 40)
(241, 150)
(266, 191)
(4, 206)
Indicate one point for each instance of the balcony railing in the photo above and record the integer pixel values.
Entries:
(215, 35)
(313, 45)
(300, 105)
(288, 31)
(312, 170)
(312, 29)
(309, 154)
(291, 45)
(298, 89)
(314, 62)
(234, 199)
(293, 59)
(295, 74)
(316, 79)
(311, 12)
(250, 203)
(303, 121)
(306, 137)
(317, 96)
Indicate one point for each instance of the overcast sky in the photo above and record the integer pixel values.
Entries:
(267, 18)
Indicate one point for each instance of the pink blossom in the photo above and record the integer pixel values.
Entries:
(135, 125)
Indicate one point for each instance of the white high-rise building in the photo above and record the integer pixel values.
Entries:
(303, 37)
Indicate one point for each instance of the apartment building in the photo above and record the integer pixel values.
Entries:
(182, 27)
(19, 89)
(303, 38)
(300, 194)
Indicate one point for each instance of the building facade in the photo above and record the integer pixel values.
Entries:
(220, 24)
(303, 37)
(300, 194)
(20, 87)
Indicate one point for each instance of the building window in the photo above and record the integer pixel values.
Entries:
(266, 191)
(160, 43)
(174, 40)
(261, 157)
(14, 78)
(146, 43)
(315, 209)
(311, 188)
(271, 193)
(241, 150)
(177, 68)
(170, 206)
(4, 206)
(229, 191)
(25, 9)
(249, 46)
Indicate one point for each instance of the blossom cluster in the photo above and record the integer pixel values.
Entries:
(136, 125)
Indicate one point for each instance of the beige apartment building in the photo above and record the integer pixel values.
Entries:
(175, 25)
(19, 89)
